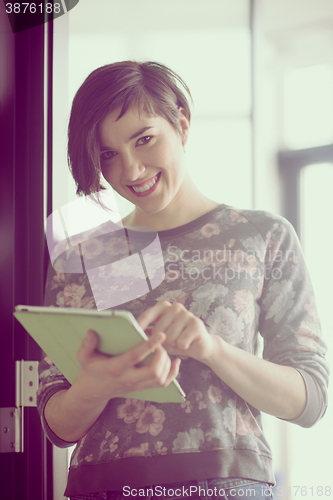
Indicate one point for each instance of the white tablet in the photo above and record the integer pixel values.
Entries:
(59, 331)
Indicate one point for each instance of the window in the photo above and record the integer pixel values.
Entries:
(316, 203)
(308, 106)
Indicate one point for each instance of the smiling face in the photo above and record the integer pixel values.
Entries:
(142, 158)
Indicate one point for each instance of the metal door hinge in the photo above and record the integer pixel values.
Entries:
(10, 433)
(12, 419)
(26, 383)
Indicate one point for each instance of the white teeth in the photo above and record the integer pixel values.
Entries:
(145, 187)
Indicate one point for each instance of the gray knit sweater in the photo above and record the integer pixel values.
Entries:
(243, 273)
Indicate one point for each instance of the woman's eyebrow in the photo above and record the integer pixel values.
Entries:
(139, 132)
(136, 134)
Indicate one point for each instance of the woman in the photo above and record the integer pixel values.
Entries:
(229, 274)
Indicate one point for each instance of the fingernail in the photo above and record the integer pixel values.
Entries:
(89, 336)
(161, 336)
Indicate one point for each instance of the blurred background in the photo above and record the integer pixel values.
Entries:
(261, 76)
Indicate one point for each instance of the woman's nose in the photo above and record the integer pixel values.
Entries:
(132, 167)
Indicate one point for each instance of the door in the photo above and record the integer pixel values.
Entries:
(23, 86)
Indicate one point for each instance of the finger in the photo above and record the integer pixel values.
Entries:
(171, 374)
(134, 356)
(88, 346)
(152, 375)
(174, 371)
(185, 339)
(174, 351)
(172, 323)
(160, 365)
(152, 314)
(171, 370)
(166, 370)
(195, 332)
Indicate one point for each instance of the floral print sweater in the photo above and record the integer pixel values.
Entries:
(243, 273)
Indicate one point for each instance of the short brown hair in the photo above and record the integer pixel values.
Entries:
(149, 86)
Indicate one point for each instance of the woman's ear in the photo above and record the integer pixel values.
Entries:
(184, 125)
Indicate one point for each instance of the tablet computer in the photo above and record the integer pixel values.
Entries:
(59, 331)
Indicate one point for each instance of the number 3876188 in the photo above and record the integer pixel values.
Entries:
(32, 8)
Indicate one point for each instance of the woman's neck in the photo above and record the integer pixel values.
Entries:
(189, 207)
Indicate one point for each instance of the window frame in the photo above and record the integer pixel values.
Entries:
(290, 164)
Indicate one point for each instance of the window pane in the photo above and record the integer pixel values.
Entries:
(219, 78)
(311, 451)
(219, 159)
(88, 51)
(308, 106)
(317, 234)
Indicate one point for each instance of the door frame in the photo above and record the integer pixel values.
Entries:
(25, 90)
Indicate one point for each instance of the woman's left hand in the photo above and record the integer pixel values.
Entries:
(186, 335)
(275, 389)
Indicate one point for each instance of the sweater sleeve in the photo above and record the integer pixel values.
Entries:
(289, 320)
(50, 382)
(69, 290)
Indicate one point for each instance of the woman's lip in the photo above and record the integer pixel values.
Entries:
(142, 183)
(150, 190)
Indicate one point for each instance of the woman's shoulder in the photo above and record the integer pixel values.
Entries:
(262, 220)
(252, 215)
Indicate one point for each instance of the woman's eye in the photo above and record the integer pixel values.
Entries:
(144, 140)
(107, 155)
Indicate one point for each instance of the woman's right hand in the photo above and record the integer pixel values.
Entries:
(71, 413)
(104, 377)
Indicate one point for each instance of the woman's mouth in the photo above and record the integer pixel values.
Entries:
(147, 188)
